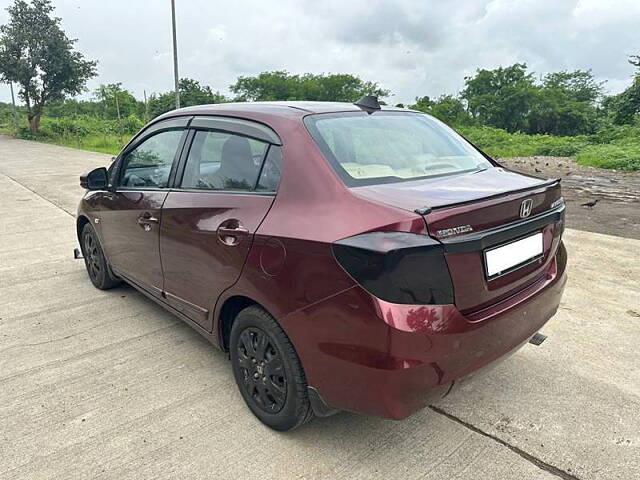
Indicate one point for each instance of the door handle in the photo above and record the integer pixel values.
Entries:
(145, 220)
(231, 232)
(147, 217)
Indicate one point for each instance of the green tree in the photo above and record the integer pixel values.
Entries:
(117, 102)
(553, 112)
(502, 97)
(624, 108)
(191, 93)
(566, 104)
(447, 108)
(579, 85)
(281, 85)
(36, 54)
(72, 107)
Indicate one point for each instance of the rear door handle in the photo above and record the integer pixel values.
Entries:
(146, 219)
(231, 232)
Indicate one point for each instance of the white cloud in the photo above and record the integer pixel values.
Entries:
(412, 47)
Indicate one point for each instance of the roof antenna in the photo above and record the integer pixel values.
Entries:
(368, 103)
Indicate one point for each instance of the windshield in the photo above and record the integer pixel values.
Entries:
(391, 146)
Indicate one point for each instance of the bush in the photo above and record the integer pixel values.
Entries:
(623, 153)
(500, 143)
(26, 134)
(561, 146)
(130, 125)
(613, 147)
(64, 127)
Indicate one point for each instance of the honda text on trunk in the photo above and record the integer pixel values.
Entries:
(346, 256)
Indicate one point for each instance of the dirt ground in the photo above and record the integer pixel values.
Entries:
(618, 193)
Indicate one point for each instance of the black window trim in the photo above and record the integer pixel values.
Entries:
(237, 126)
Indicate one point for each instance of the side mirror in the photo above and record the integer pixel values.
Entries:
(96, 179)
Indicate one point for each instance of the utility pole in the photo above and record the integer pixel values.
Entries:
(146, 107)
(175, 52)
(117, 103)
(15, 112)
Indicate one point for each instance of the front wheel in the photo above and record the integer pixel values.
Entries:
(95, 261)
(268, 371)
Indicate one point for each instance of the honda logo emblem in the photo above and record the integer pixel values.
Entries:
(525, 208)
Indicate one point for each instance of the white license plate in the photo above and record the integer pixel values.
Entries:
(513, 255)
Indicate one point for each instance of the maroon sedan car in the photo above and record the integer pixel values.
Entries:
(347, 256)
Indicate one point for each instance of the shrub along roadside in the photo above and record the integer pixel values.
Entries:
(500, 143)
(619, 155)
(613, 147)
(83, 131)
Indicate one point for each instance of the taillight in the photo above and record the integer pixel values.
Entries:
(397, 267)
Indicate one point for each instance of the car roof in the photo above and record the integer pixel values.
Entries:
(283, 108)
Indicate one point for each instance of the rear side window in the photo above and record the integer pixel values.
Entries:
(271, 171)
(223, 161)
(149, 164)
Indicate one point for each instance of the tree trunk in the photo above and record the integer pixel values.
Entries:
(34, 123)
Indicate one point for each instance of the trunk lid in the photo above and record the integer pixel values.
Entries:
(470, 213)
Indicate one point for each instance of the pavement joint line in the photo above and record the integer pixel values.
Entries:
(558, 472)
(37, 194)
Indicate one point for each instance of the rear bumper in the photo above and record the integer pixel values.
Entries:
(368, 356)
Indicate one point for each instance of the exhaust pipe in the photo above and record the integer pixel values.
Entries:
(537, 339)
(77, 254)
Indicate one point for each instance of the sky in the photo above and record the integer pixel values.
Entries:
(411, 47)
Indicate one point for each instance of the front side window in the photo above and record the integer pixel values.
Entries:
(391, 146)
(149, 164)
(223, 161)
(111, 173)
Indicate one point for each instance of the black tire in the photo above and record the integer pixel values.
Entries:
(268, 371)
(98, 269)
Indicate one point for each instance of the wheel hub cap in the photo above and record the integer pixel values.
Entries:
(263, 373)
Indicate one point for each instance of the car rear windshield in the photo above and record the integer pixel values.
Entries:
(389, 147)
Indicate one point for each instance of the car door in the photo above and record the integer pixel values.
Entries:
(225, 187)
(131, 211)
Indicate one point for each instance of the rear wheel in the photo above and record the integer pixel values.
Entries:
(268, 371)
(94, 260)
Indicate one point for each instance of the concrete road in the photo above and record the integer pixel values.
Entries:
(108, 385)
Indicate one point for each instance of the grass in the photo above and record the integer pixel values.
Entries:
(613, 147)
(83, 132)
(500, 143)
(110, 144)
(624, 156)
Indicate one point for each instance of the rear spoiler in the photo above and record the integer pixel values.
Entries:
(547, 183)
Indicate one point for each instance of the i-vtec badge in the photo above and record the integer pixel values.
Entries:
(447, 232)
